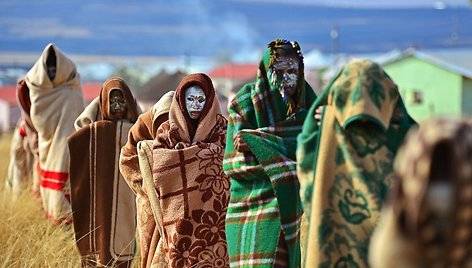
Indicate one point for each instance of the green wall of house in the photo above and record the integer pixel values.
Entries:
(440, 90)
(467, 97)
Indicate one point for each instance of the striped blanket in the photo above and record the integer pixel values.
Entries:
(103, 204)
(263, 219)
(54, 107)
(345, 164)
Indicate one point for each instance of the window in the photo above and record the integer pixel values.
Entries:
(416, 96)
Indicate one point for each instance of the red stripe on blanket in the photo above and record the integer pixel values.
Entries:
(22, 130)
(60, 176)
(58, 186)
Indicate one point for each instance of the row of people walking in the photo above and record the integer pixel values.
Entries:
(288, 180)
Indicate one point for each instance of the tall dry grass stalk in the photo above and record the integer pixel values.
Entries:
(27, 238)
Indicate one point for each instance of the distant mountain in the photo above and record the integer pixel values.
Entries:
(229, 29)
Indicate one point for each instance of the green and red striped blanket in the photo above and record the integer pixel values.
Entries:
(263, 217)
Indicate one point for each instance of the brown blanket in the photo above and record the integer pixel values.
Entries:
(144, 129)
(189, 181)
(103, 205)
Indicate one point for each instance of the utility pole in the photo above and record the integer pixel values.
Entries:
(335, 43)
(455, 29)
(187, 61)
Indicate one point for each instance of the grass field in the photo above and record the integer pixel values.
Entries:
(27, 238)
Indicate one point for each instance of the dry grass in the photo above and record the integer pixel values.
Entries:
(27, 238)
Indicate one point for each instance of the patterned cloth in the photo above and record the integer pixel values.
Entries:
(345, 164)
(263, 219)
(132, 166)
(428, 219)
(54, 107)
(103, 204)
(189, 181)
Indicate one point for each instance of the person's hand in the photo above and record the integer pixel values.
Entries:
(239, 144)
(318, 114)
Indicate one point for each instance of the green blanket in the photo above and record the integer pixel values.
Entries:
(345, 164)
(263, 218)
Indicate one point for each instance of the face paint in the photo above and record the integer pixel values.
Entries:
(286, 70)
(117, 104)
(195, 100)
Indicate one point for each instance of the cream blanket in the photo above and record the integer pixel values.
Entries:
(54, 107)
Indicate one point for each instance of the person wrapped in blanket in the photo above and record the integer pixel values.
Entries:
(265, 117)
(345, 163)
(182, 177)
(144, 130)
(22, 162)
(24, 159)
(56, 101)
(427, 221)
(103, 205)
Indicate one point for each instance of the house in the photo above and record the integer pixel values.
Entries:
(433, 85)
(226, 76)
(4, 116)
(10, 112)
(90, 91)
(229, 78)
(157, 86)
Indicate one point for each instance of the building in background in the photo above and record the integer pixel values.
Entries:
(157, 86)
(433, 85)
(4, 116)
(9, 110)
(229, 78)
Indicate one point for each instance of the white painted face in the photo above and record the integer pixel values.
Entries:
(287, 70)
(195, 100)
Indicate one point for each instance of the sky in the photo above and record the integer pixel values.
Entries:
(236, 29)
(376, 3)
